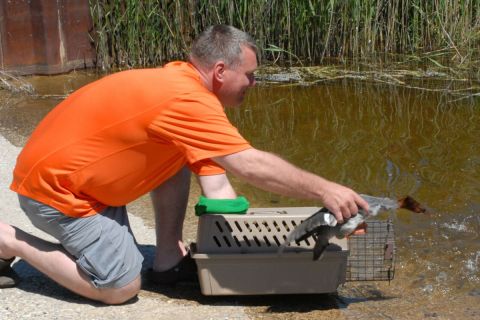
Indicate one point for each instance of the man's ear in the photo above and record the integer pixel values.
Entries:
(219, 71)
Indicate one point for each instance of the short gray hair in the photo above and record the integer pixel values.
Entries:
(220, 43)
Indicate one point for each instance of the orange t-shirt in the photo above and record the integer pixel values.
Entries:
(117, 138)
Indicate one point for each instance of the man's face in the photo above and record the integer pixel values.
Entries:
(236, 81)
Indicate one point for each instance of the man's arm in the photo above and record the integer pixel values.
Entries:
(270, 172)
(216, 187)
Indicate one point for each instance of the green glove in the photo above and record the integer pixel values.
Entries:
(224, 206)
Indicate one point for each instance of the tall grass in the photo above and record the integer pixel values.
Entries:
(132, 33)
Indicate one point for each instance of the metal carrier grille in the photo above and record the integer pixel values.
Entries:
(372, 254)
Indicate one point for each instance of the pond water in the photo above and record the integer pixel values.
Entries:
(378, 139)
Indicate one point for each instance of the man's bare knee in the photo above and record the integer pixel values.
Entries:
(120, 295)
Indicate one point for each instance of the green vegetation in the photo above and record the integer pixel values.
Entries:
(442, 33)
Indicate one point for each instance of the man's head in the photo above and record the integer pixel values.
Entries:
(226, 59)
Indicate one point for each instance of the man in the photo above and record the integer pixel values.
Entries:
(144, 131)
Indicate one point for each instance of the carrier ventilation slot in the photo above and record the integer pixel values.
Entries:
(267, 242)
(239, 244)
(227, 241)
(267, 226)
(275, 224)
(219, 226)
(259, 244)
(277, 241)
(247, 241)
(238, 226)
(217, 242)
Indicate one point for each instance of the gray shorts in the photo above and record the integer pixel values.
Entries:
(103, 244)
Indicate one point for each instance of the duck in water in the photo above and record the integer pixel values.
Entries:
(323, 225)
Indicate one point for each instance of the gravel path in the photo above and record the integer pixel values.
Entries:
(37, 297)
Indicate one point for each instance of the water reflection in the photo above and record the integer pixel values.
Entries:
(377, 139)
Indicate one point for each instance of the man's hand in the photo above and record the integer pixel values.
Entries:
(342, 201)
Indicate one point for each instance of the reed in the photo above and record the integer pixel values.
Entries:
(15, 84)
(131, 33)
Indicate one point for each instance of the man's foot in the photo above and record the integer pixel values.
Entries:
(184, 271)
(5, 263)
(8, 276)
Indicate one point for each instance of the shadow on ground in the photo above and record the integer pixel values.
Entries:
(271, 303)
(35, 282)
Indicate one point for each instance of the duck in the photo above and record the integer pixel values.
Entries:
(323, 226)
